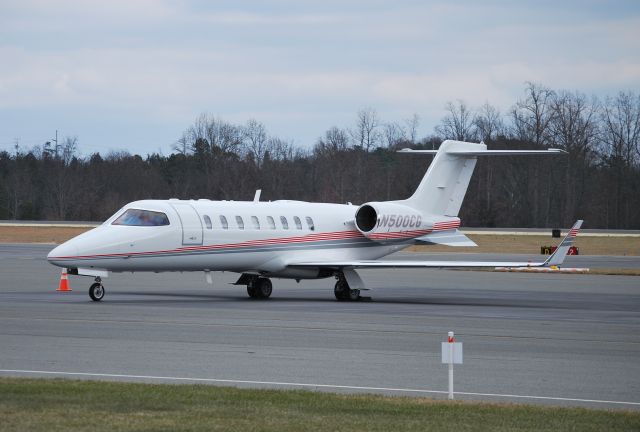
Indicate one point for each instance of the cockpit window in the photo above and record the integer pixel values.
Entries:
(137, 217)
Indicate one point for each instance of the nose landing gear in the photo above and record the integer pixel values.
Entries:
(96, 290)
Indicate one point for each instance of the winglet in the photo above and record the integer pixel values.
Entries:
(559, 255)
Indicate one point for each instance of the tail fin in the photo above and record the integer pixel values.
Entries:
(445, 184)
(560, 253)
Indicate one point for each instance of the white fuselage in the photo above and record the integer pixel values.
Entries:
(239, 236)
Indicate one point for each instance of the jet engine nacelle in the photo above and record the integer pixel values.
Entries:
(390, 221)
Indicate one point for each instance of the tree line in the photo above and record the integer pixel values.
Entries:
(597, 180)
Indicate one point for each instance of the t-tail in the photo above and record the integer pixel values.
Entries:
(430, 215)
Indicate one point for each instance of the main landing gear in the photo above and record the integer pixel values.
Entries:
(96, 290)
(342, 290)
(259, 288)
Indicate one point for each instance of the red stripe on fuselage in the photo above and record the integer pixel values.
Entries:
(338, 235)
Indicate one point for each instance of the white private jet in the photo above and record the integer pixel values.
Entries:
(289, 239)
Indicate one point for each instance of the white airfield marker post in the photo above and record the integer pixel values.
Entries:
(451, 354)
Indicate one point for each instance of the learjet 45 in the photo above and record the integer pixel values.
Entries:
(290, 239)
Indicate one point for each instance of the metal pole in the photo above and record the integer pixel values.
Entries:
(451, 340)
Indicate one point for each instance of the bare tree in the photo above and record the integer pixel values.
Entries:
(620, 148)
(412, 124)
(69, 149)
(254, 136)
(222, 135)
(182, 146)
(573, 122)
(197, 133)
(621, 127)
(531, 116)
(229, 137)
(335, 139)
(280, 149)
(211, 135)
(394, 134)
(457, 124)
(366, 134)
(334, 163)
(573, 127)
(488, 122)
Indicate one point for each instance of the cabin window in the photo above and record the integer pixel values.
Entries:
(271, 222)
(137, 217)
(223, 222)
(284, 222)
(240, 222)
(310, 223)
(256, 222)
(207, 221)
(296, 219)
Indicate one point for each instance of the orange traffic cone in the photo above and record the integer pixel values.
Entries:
(64, 281)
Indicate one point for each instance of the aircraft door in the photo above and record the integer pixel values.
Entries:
(191, 223)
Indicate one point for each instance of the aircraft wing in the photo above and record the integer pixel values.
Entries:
(555, 259)
(412, 264)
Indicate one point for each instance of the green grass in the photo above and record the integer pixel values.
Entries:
(50, 405)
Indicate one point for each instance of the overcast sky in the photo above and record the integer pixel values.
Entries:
(133, 74)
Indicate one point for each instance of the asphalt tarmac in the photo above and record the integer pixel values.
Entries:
(528, 338)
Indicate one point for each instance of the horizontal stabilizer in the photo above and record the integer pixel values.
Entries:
(488, 152)
(446, 181)
(447, 238)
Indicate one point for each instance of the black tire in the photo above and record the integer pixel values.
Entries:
(341, 290)
(252, 290)
(96, 291)
(264, 287)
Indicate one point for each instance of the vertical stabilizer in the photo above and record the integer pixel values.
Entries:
(445, 184)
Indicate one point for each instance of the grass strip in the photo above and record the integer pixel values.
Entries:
(61, 404)
(530, 244)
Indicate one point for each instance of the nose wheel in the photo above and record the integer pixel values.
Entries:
(96, 290)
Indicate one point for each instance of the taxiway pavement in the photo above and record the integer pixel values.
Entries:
(545, 335)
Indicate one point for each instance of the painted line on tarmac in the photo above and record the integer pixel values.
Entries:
(310, 386)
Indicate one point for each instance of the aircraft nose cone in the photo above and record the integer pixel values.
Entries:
(65, 250)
